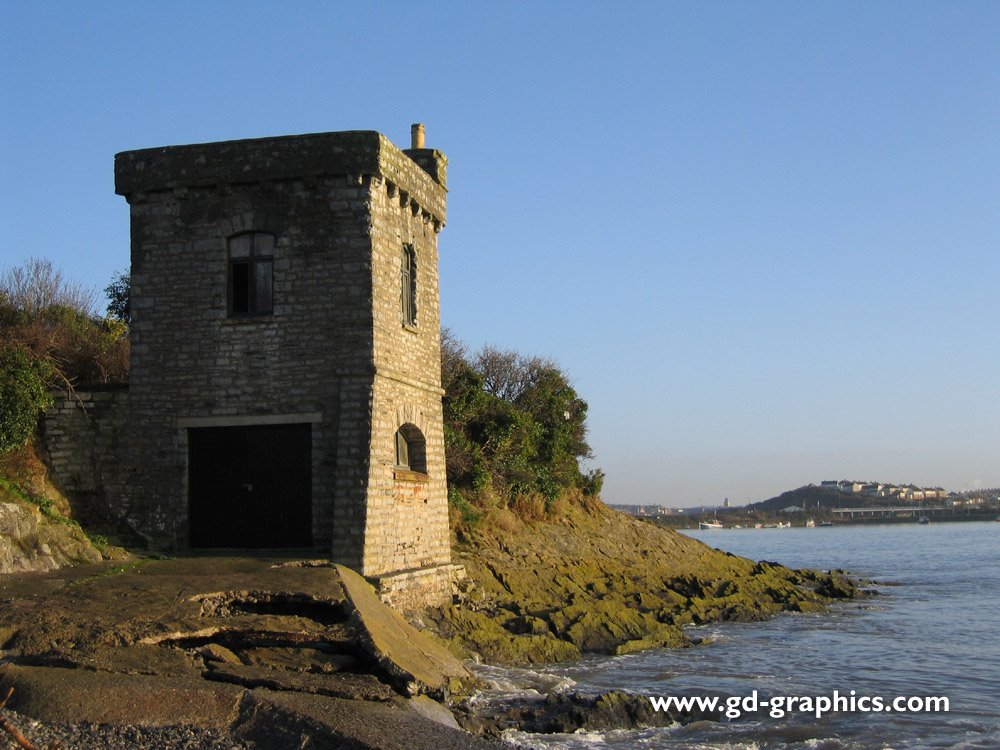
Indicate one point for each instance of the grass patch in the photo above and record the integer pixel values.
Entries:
(47, 507)
(114, 570)
(468, 515)
(44, 504)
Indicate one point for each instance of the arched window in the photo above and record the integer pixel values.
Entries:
(411, 449)
(408, 285)
(251, 269)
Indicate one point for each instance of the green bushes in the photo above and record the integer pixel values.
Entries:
(79, 349)
(51, 339)
(515, 431)
(23, 394)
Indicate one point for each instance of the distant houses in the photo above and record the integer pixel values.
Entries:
(902, 493)
(646, 511)
(989, 498)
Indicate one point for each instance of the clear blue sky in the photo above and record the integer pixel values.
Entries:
(763, 239)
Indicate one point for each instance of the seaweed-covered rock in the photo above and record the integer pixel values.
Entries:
(475, 633)
(595, 580)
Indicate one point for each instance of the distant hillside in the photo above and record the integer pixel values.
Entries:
(813, 496)
(821, 503)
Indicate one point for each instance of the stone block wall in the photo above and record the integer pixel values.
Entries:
(335, 353)
(84, 436)
(193, 365)
(407, 518)
(410, 591)
(407, 512)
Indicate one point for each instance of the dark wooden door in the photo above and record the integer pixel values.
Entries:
(250, 487)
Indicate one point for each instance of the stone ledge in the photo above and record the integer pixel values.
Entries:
(420, 587)
(408, 475)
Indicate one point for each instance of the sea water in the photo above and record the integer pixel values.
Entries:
(932, 631)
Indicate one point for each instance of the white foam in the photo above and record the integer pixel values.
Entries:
(516, 680)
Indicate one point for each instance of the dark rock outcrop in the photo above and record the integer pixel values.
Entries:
(567, 712)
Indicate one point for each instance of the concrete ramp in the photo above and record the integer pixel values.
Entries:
(416, 661)
(67, 696)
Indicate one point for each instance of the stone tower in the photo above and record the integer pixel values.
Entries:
(285, 382)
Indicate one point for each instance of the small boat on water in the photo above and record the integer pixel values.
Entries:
(810, 524)
(709, 525)
(923, 520)
(826, 523)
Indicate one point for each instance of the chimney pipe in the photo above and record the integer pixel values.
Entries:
(417, 135)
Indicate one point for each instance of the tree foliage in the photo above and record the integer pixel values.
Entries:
(23, 394)
(119, 294)
(514, 425)
(51, 339)
(52, 320)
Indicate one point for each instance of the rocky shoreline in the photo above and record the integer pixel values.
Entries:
(231, 652)
(599, 581)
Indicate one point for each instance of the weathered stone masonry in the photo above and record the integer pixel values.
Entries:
(83, 433)
(334, 358)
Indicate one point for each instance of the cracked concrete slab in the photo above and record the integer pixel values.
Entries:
(228, 643)
(60, 695)
(364, 687)
(417, 662)
(292, 721)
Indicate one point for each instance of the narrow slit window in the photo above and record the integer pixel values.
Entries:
(408, 285)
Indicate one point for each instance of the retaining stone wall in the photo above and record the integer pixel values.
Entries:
(83, 435)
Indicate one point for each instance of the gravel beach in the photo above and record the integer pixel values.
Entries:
(85, 736)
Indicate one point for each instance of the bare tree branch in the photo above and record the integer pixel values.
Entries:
(22, 741)
(36, 285)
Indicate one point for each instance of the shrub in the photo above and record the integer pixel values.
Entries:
(514, 428)
(51, 319)
(529, 506)
(468, 515)
(593, 482)
(36, 285)
(23, 395)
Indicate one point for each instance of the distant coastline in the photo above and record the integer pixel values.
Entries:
(739, 523)
(838, 503)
